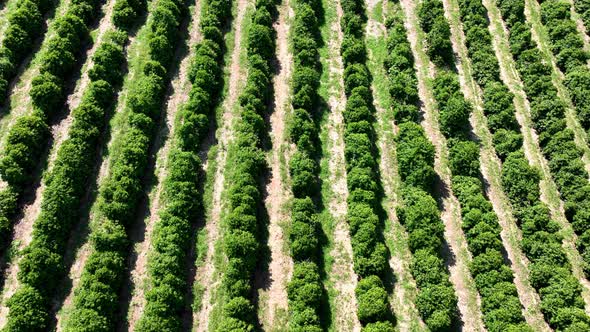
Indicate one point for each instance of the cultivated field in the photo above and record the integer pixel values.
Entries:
(295, 165)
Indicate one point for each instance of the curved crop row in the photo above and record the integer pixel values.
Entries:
(550, 271)
(369, 251)
(436, 301)
(167, 268)
(241, 242)
(583, 9)
(305, 288)
(29, 135)
(41, 267)
(25, 24)
(96, 298)
(501, 307)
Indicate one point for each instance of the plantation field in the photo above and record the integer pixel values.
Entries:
(295, 165)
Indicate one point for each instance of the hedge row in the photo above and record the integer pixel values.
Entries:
(25, 25)
(568, 47)
(167, 268)
(28, 137)
(96, 298)
(564, 157)
(305, 288)
(583, 9)
(550, 272)
(369, 251)
(557, 142)
(42, 267)
(419, 213)
(501, 307)
(241, 242)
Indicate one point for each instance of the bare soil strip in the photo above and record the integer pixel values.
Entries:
(539, 35)
(278, 193)
(23, 228)
(180, 88)
(491, 170)
(404, 292)
(20, 100)
(206, 274)
(469, 302)
(83, 252)
(582, 29)
(549, 193)
(341, 274)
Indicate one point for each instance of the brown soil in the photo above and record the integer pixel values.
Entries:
(468, 299)
(23, 229)
(490, 167)
(206, 274)
(278, 194)
(342, 274)
(179, 95)
(532, 151)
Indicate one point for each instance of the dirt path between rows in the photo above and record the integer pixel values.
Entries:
(180, 88)
(404, 293)
(23, 229)
(20, 87)
(539, 35)
(491, 171)
(469, 302)
(549, 193)
(83, 252)
(206, 274)
(341, 275)
(582, 29)
(274, 297)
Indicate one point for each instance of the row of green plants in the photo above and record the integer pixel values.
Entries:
(305, 288)
(370, 255)
(166, 297)
(27, 139)
(242, 224)
(564, 156)
(25, 25)
(493, 277)
(96, 298)
(41, 268)
(507, 140)
(419, 213)
(550, 271)
(583, 9)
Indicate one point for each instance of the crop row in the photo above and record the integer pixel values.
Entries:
(369, 251)
(305, 288)
(96, 298)
(436, 300)
(241, 242)
(568, 47)
(41, 267)
(167, 262)
(583, 9)
(507, 140)
(493, 277)
(550, 271)
(25, 24)
(548, 115)
(28, 137)
(565, 157)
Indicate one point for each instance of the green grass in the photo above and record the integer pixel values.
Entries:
(395, 234)
(219, 259)
(488, 157)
